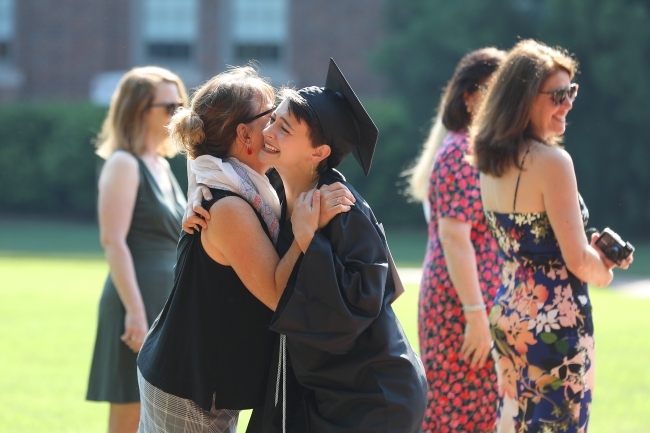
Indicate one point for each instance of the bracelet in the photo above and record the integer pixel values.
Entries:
(475, 307)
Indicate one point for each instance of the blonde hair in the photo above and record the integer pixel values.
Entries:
(209, 125)
(420, 174)
(502, 124)
(124, 128)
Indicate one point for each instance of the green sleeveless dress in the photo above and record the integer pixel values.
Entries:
(152, 239)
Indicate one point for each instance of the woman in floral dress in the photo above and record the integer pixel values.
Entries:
(461, 269)
(541, 319)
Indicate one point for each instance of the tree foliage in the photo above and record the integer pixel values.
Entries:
(48, 166)
(608, 133)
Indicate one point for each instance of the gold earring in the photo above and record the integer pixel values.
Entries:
(311, 164)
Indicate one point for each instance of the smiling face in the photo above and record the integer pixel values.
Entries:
(546, 118)
(287, 143)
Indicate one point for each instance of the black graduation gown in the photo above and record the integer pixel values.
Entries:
(351, 368)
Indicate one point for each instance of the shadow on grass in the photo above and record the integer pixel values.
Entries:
(78, 240)
(74, 239)
(49, 238)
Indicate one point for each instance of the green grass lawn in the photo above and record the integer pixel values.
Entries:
(47, 323)
(49, 237)
(51, 275)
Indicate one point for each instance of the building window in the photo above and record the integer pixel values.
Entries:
(260, 29)
(161, 50)
(170, 29)
(7, 17)
(259, 52)
(5, 50)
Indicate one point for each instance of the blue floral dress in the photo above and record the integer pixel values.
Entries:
(543, 331)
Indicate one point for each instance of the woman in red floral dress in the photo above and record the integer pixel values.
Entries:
(461, 269)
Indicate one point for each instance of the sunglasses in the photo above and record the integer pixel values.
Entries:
(558, 96)
(249, 120)
(483, 88)
(170, 107)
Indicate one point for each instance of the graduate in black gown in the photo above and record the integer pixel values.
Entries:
(343, 363)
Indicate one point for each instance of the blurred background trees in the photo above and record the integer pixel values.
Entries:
(47, 166)
(609, 128)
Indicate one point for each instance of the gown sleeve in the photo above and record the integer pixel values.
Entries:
(337, 289)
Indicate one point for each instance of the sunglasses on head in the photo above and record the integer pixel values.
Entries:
(250, 119)
(170, 107)
(558, 96)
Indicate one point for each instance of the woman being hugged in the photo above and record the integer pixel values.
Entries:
(207, 355)
(461, 267)
(341, 343)
(541, 320)
(140, 210)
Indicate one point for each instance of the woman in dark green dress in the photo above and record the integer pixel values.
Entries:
(140, 210)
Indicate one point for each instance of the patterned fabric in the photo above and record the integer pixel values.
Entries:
(231, 175)
(543, 330)
(249, 191)
(162, 412)
(460, 399)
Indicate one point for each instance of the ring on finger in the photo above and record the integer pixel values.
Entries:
(338, 200)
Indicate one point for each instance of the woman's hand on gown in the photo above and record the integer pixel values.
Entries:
(478, 340)
(196, 217)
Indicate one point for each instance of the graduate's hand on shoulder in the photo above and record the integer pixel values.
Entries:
(304, 219)
(334, 199)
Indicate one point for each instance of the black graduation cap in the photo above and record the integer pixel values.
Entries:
(346, 124)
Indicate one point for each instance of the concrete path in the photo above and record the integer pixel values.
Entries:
(628, 285)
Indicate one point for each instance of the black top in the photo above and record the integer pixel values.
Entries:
(355, 369)
(212, 336)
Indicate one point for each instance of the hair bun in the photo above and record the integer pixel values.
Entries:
(186, 130)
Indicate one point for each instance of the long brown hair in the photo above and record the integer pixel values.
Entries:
(452, 115)
(209, 126)
(502, 124)
(124, 126)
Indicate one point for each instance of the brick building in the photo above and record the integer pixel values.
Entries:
(77, 49)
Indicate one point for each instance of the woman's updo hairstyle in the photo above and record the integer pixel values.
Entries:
(209, 126)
